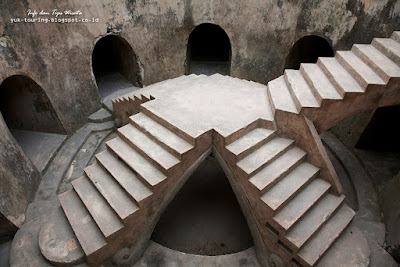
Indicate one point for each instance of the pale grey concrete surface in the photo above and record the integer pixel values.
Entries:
(157, 255)
(110, 83)
(202, 103)
(39, 147)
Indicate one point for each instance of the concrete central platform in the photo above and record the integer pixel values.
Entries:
(202, 103)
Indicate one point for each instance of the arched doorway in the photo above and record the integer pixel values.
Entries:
(115, 65)
(31, 118)
(204, 218)
(307, 50)
(208, 50)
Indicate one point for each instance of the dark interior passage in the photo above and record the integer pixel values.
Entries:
(209, 50)
(307, 50)
(382, 132)
(25, 106)
(113, 59)
(205, 217)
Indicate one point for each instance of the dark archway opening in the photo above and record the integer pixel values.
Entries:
(204, 218)
(382, 132)
(31, 118)
(208, 50)
(307, 50)
(114, 65)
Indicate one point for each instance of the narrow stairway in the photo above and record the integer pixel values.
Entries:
(107, 203)
(290, 198)
(319, 90)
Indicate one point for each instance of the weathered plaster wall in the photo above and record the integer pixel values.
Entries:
(19, 180)
(58, 56)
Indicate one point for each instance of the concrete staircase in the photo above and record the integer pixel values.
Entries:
(283, 172)
(127, 182)
(335, 88)
(301, 217)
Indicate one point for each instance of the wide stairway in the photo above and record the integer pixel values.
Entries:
(301, 217)
(298, 210)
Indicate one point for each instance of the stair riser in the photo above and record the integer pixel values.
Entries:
(394, 57)
(250, 150)
(307, 78)
(242, 132)
(295, 193)
(282, 231)
(144, 181)
(87, 205)
(169, 126)
(249, 175)
(299, 259)
(147, 157)
(139, 202)
(295, 248)
(396, 36)
(385, 77)
(163, 145)
(331, 78)
(292, 93)
(310, 83)
(280, 177)
(363, 83)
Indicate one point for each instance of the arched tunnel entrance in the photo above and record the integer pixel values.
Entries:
(307, 50)
(31, 118)
(382, 132)
(204, 218)
(208, 50)
(115, 65)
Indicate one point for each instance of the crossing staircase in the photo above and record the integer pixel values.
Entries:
(284, 173)
(120, 194)
(335, 88)
(301, 217)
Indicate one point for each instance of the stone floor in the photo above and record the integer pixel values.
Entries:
(201, 106)
(108, 83)
(39, 147)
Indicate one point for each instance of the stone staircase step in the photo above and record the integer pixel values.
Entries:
(280, 97)
(396, 36)
(89, 235)
(114, 194)
(148, 148)
(360, 71)
(101, 212)
(389, 47)
(260, 157)
(318, 82)
(326, 236)
(381, 64)
(288, 187)
(300, 89)
(313, 220)
(338, 76)
(160, 134)
(149, 174)
(301, 203)
(273, 172)
(124, 176)
(156, 117)
(243, 146)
